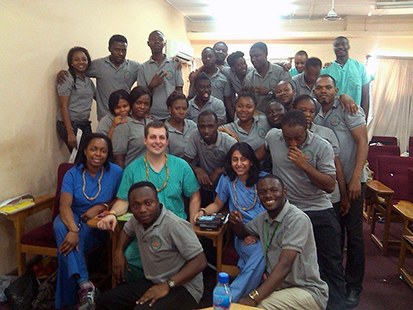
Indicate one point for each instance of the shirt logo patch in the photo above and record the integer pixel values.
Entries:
(127, 74)
(273, 83)
(335, 120)
(308, 155)
(169, 75)
(219, 154)
(218, 84)
(156, 243)
(261, 133)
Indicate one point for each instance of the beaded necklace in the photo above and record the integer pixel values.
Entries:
(145, 161)
(236, 198)
(99, 186)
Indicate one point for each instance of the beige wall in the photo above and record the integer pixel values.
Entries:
(35, 39)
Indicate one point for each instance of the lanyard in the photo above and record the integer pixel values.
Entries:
(268, 240)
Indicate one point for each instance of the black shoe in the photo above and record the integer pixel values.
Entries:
(352, 299)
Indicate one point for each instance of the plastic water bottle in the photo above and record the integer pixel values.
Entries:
(222, 294)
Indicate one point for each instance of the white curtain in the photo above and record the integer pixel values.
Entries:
(392, 100)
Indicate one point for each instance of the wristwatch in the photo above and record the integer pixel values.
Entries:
(171, 283)
(253, 294)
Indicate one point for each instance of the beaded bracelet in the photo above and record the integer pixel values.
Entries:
(112, 213)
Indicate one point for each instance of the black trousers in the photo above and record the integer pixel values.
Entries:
(125, 296)
(327, 234)
(84, 126)
(352, 228)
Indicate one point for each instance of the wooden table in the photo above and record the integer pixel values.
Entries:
(217, 237)
(234, 307)
(18, 219)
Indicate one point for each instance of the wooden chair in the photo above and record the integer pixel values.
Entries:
(390, 187)
(229, 255)
(374, 152)
(39, 241)
(405, 209)
(386, 140)
(382, 150)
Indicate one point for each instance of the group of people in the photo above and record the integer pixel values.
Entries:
(284, 148)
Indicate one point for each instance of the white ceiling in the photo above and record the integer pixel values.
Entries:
(199, 11)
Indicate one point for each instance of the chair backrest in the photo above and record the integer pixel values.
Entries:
(61, 171)
(386, 140)
(375, 150)
(392, 171)
(410, 182)
(410, 141)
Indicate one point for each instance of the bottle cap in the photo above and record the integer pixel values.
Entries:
(223, 277)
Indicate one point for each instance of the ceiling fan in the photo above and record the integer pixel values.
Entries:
(332, 14)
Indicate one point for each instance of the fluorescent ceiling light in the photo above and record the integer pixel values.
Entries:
(260, 17)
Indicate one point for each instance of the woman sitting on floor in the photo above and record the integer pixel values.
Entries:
(238, 186)
(87, 189)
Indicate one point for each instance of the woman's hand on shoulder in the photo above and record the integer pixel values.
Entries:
(119, 120)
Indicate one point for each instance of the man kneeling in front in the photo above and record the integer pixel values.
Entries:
(172, 258)
(287, 240)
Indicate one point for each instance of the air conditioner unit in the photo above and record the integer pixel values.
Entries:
(178, 49)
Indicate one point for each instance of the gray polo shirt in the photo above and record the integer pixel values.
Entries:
(342, 123)
(109, 78)
(236, 85)
(173, 79)
(165, 247)
(106, 122)
(213, 103)
(220, 87)
(177, 139)
(80, 99)
(211, 156)
(300, 191)
(256, 136)
(274, 75)
(293, 231)
(301, 87)
(128, 139)
(330, 136)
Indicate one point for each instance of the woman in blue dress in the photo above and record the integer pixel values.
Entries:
(238, 187)
(87, 189)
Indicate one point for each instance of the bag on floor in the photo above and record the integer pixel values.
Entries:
(46, 295)
(21, 293)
